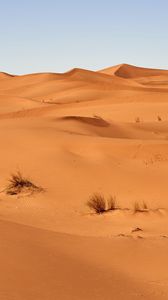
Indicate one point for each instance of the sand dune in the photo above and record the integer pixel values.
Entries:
(74, 86)
(80, 85)
(75, 134)
(144, 76)
(129, 71)
(4, 75)
(100, 127)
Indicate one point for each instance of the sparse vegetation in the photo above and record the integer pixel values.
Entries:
(140, 207)
(97, 203)
(136, 207)
(100, 204)
(18, 183)
(111, 203)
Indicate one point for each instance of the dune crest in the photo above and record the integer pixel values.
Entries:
(130, 71)
(4, 75)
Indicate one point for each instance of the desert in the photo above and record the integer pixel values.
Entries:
(65, 139)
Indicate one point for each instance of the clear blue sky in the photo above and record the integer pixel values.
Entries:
(41, 35)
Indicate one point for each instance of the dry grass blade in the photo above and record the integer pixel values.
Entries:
(97, 203)
(136, 207)
(140, 207)
(144, 205)
(111, 203)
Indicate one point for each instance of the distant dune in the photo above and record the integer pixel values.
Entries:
(115, 84)
(5, 75)
(75, 134)
(129, 71)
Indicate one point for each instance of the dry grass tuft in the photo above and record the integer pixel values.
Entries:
(18, 184)
(97, 203)
(111, 203)
(140, 207)
(136, 207)
(144, 205)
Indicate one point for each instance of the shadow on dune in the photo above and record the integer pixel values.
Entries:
(97, 126)
(96, 121)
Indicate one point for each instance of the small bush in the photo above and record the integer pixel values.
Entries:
(18, 184)
(111, 203)
(97, 203)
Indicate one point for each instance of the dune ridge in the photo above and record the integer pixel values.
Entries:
(80, 85)
(130, 71)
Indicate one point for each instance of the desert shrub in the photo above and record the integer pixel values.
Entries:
(97, 203)
(18, 183)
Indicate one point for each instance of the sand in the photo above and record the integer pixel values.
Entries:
(75, 134)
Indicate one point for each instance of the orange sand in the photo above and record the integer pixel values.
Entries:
(75, 134)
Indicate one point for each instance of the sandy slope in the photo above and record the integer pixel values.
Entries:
(75, 134)
(40, 264)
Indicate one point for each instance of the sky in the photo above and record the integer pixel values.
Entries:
(56, 36)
